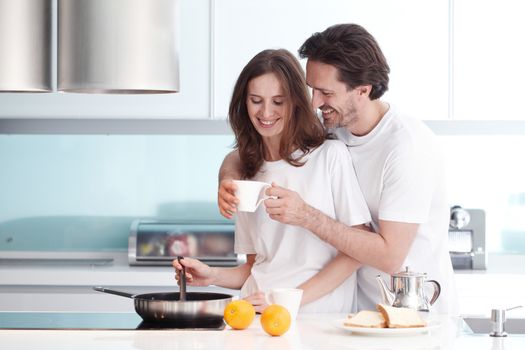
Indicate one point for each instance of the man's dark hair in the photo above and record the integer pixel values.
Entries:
(354, 52)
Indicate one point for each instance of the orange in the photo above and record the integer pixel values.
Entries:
(275, 320)
(239, 314)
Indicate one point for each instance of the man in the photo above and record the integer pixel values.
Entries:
(397, 162)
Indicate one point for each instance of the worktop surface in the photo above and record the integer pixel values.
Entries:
(318, 331)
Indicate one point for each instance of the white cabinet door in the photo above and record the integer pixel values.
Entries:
(488, 60)
(193, 100)
(413, 35)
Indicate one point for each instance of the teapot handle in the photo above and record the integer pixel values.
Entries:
(437, 291)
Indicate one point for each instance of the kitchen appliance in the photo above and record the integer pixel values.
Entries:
(26, 28)
(159, 242)
(466, 238)
(182, 310)
(408, 290)
(102, 46)
(196, 310)
(88, 321)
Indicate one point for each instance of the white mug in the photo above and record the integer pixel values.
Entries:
(290, 298)
(250, 194)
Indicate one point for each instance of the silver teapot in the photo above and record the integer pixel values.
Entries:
(408, 290)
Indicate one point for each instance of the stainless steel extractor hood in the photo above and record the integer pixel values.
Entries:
(25, 45)
(117, 46)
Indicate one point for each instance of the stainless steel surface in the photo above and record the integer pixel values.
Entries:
(467, 244)
(124, 126)
(460, 242)
(182, 281)
(118, 46)
(199, 308)
(408, 290)
(482, 325)
(459, 217)
(25, 45)
(56, 261)
(498, 320)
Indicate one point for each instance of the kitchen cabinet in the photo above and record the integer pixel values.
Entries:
(412, 34)
(487, 56)
(192, 102)
(217, 38)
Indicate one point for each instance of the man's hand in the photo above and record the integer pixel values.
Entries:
(287, 206)
(226, 198)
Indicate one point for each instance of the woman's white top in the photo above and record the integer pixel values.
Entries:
(290, 255)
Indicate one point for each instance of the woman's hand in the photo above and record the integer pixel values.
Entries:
(258, 300)
(226, 198)
(197, 272)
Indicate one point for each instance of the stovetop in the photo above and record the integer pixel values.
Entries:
(88, 321)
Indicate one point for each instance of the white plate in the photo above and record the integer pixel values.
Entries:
(431, 325)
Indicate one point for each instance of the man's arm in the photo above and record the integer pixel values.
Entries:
(329, 278)
(385, 250)
(230, 167)
(230, 170)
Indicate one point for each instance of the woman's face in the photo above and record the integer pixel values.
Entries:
(267, 106)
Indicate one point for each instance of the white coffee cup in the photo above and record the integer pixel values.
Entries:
(290, 298)
(250, 194)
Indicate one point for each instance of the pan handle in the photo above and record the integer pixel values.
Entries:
(116, 292)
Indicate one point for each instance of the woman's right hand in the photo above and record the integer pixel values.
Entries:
(197, 272)
(226, 198)
(258, 300)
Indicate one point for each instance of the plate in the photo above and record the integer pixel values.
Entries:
(431, 325)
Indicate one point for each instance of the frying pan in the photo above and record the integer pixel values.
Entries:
(200, 310)
(180, 310)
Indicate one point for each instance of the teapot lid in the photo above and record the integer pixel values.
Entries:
(408, 273)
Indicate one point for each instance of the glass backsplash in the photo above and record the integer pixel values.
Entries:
(81, 192)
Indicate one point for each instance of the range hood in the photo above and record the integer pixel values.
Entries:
(103, 46)
(25, 45)
(118, 46)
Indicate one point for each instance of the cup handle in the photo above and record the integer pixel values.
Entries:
(437, 291)
(264, 196)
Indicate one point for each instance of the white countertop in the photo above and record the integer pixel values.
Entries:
(310, 332)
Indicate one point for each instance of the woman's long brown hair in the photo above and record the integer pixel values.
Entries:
(304, 130)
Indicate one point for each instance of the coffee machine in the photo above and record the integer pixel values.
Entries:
(466, 233)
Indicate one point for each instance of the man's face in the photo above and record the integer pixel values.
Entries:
(331, 96)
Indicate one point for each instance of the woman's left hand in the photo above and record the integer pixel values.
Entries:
(258, 300)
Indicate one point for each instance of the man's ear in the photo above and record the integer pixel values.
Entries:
(364, 90)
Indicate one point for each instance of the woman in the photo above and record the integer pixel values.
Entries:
(281, 141)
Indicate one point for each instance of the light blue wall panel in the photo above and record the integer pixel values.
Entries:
(81, 192)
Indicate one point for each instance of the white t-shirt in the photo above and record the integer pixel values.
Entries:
(289, 255)
(400, 170)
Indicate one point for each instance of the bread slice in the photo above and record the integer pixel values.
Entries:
(400, 317)
(366, 318)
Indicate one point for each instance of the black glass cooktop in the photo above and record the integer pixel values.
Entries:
(90, 321)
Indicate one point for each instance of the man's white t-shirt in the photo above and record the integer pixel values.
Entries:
(290, 255)
(400, 170)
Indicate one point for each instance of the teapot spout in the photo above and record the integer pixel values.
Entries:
(386, 293)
